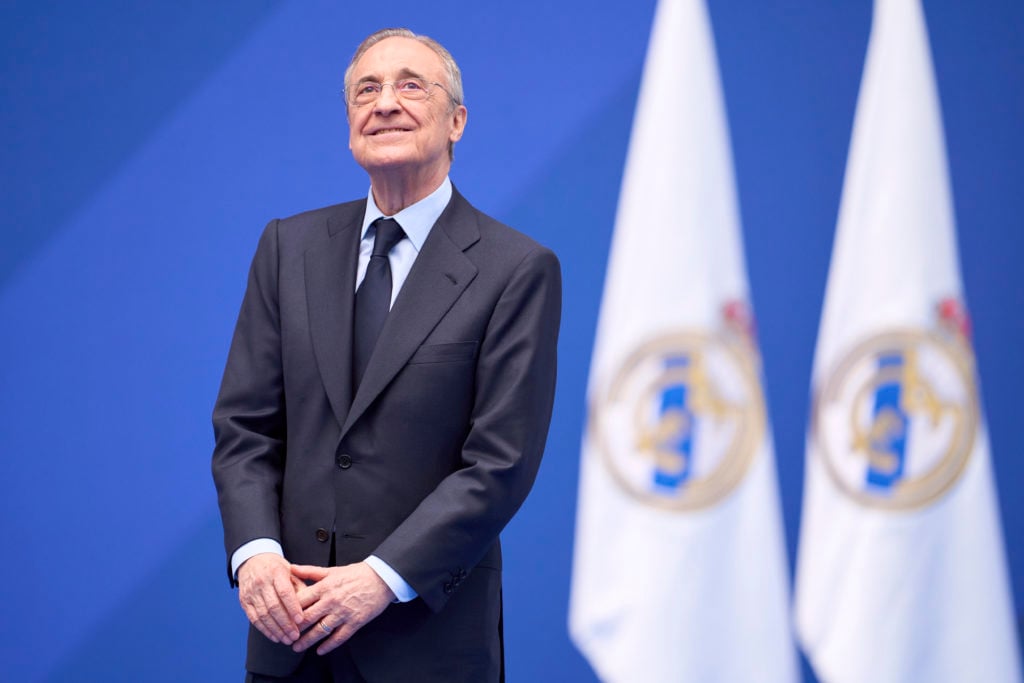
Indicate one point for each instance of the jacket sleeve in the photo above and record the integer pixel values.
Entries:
(249, 415)
(452, 528)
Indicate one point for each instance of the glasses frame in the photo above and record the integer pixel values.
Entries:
(350, 99)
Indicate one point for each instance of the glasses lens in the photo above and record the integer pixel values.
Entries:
(365, 92)
(411, 89)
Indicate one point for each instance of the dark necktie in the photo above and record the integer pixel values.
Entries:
(373, 298)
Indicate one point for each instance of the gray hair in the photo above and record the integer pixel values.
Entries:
(454, 87)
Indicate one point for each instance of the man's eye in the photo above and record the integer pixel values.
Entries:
(369, 88)
(410, 85)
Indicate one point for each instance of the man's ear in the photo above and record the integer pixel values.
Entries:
(459, 115)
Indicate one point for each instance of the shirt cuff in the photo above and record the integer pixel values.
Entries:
(402, 590)
(254, 547)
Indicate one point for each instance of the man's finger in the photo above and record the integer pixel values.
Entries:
(337, 638)
(276, 618)
(309, 595)
(316, 608)
(321, 629)
(280, 616)
(259, 617)
(310, 572)
(288, 600)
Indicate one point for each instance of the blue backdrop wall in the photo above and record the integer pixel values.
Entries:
(146, 144)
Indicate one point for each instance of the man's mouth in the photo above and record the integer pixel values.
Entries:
(389, 130)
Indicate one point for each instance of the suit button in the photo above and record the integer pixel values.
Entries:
(322, 535)
(344, 461)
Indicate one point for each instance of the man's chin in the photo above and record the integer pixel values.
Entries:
(385, 155)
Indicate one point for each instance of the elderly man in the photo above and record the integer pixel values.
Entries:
(385, 402)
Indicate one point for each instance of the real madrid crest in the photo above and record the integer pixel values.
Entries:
(680, 420)
(895, 421)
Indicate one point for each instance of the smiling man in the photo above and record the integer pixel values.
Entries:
(385, 402)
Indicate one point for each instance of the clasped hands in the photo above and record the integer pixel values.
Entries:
(339, 601)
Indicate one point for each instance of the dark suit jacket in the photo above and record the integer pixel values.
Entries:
(429, 459)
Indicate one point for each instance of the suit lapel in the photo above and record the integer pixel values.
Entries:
(438, 277)
(330, 285)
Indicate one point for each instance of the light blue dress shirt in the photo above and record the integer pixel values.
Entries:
(416, 220)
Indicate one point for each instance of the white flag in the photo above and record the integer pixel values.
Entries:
(679, 571)
(901, 573)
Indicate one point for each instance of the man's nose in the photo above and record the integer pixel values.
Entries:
(388, 99)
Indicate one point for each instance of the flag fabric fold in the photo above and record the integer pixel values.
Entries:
(679, 571)
(901, 573)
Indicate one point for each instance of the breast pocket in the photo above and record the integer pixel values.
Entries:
(445, 353)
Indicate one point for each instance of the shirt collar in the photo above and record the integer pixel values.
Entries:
(417, 219)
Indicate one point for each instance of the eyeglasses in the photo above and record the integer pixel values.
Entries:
(414, 89)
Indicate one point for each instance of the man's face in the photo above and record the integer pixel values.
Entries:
(398, 134)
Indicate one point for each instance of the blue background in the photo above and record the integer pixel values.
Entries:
(146, 144)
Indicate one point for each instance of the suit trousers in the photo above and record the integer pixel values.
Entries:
(335, 667)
